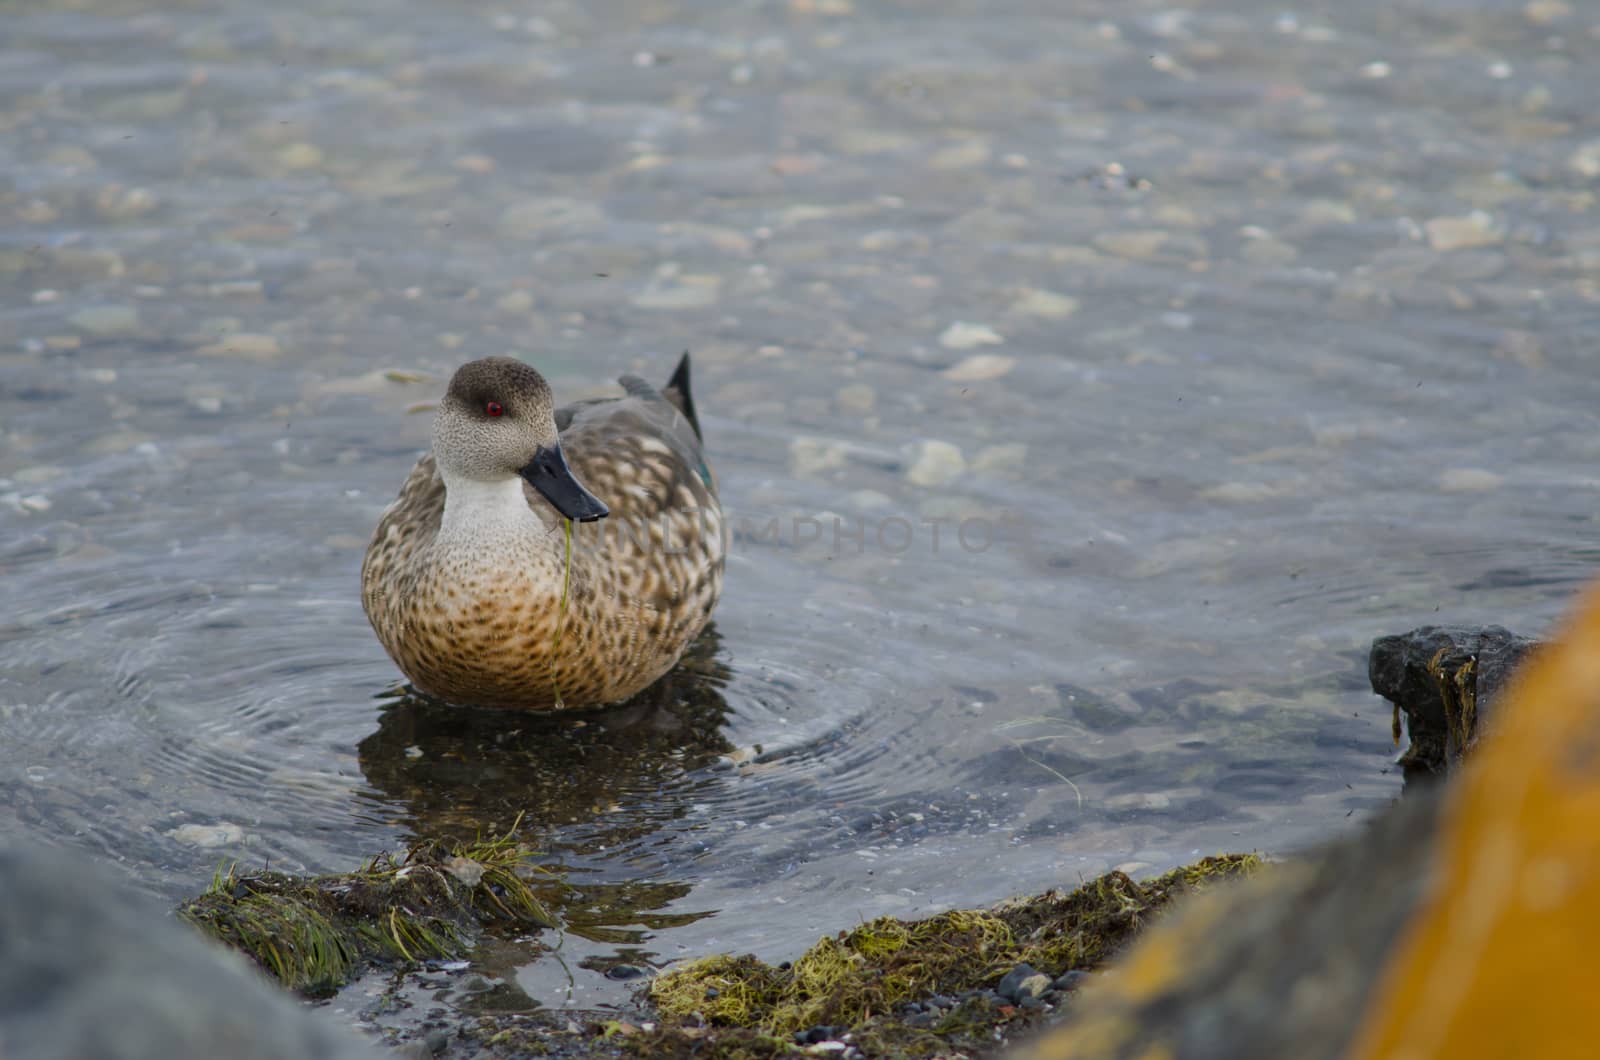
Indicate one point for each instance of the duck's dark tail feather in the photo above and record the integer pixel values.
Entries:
(677, 392)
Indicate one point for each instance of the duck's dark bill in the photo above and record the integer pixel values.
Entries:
(549, 474)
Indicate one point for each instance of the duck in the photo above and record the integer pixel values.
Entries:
(541, 558)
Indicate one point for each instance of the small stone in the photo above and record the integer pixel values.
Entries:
(857, 397)
(1138, 245)
(1328, 212)
(1542, 12)
(70, 156)
(625, 972)
(1586, 160)
(242, 344)
(964, 155)
(1047, 304)
(1139, 800)
(1010, 986)
(300, 156)
(1476, 229)
(935, 464)
(980, 367)
(672, 290)
(116, 203)
(1070, 980)
(1524, 347)
(1033, 1004)
(1376, 71)
(964, 336)
(105, 321)
(208, 835)
(515, 302)
(813, 456)
(1033, 987)
(436, 1040)
(1001, 459)
(535, 217)
(1469, 480)
(1269, 251)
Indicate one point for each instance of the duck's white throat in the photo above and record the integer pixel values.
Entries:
(479, 511)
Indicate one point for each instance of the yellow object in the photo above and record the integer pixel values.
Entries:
(1504, 961)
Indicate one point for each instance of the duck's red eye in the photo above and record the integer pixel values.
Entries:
(493, 408)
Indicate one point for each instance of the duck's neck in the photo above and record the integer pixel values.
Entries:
(480, 513)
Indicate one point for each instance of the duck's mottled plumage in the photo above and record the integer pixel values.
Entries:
(473, 613)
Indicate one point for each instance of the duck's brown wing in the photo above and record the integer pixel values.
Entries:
(410, 523)
(663, 541)
(640, 454)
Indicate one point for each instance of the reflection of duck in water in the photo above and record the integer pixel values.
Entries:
(477, 586)
(602, 779)
(467, 773)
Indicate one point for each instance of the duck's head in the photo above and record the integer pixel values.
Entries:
(498, 421)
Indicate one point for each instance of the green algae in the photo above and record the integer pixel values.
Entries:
(858, 981)
(314, 934)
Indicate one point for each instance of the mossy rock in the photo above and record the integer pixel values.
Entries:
(858, 980)
(314, 934)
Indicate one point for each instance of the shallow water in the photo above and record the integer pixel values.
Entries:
(1212, 341)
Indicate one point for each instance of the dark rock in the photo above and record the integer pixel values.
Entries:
(89, 968)
(1010, 987)
(436, 1040)
(624, 972)
(1031, 1004)
(1071, 980)
(1444, 679)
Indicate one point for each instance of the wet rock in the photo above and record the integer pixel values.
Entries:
(625, 972)
(1444, 680)
(1071, 980)
(88, 968)
(1010, 985)
(209, 835)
